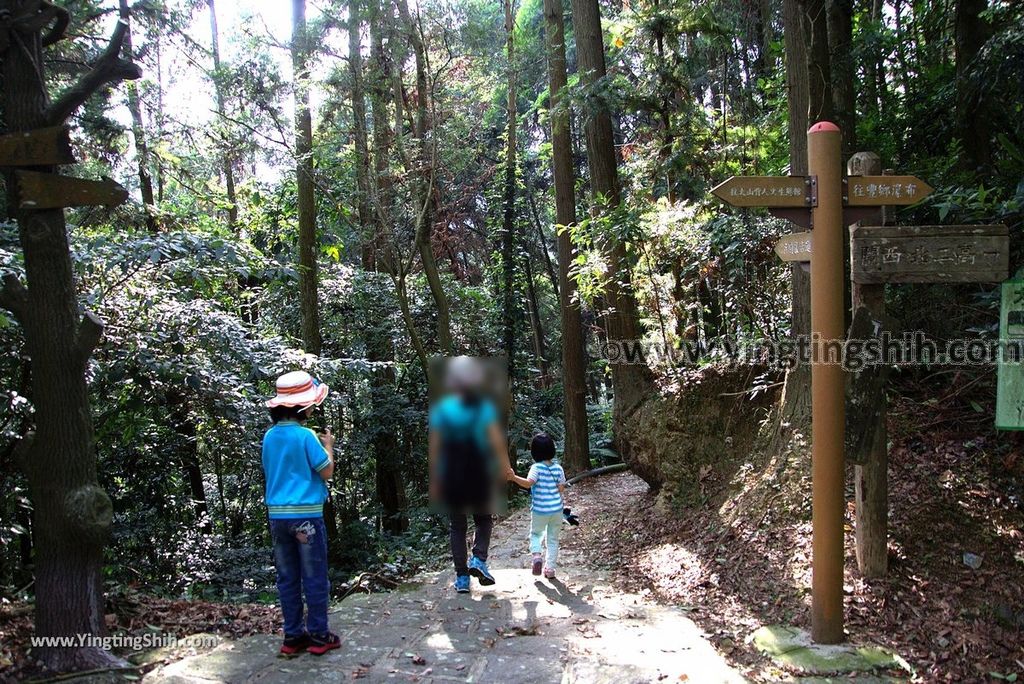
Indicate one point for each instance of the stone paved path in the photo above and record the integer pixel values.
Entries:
(576, 628)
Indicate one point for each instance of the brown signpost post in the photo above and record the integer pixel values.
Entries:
(766, 191)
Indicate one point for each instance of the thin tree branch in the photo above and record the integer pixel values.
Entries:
(109, 68)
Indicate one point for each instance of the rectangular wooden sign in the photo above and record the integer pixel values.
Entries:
(794, 247)
(877, 191)
(52, 191)
(765, 191)
(929, 254)
(41, 147)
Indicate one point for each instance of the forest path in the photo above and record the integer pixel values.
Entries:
(576, 628)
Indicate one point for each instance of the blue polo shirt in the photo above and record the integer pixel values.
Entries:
(292, 460)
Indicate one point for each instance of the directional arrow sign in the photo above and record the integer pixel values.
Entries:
(877, 191)
(41, 147)
(766, 191)
(794, 247)
(51, 191)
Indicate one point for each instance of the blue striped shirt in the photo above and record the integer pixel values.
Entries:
(545, 498)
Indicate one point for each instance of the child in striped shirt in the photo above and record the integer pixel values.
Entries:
(546, 482)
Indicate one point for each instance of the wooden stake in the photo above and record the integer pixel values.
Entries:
(870, 476)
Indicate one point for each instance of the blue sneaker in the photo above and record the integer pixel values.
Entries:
(478, 569)
(462, 584)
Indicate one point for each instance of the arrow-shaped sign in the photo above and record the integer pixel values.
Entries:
(878, 191)
(794, 247)
(766, 191)
(52, 191)
(41, 147)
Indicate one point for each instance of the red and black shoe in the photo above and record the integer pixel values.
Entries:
(293, 645)
(322, 643)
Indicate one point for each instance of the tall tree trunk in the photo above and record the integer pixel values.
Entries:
(794, 414)
(424, 173)
(362, 158)
(819, 72)
(73, 514)
(509, 313)
(185, 425)
(632, 381)
(387, 456)
(536, 325)
(139, 132)
(576, 457)
(972, 31)
(542, 240)
(218, 88)
(842, 67)
(308, 280)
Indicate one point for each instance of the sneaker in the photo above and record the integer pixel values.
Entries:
(478, 569)
(549, 573)
(295, 644)
(462, 584)
(537, 563)
(322, 643)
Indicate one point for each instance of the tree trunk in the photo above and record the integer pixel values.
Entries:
(972, 31)
(362, 160)
(308, 280)
(509, 313)
(185, 426)
(139, 133)
(424, 173)
(73, 514)
(576, 457)
(819, 72)
(842, 67)
(542, 240)
(632, 382)
(536, 326)
(227, 159)
(794, 415)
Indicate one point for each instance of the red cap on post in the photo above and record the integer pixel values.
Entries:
(823, 127)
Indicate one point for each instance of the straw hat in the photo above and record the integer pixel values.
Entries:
(298, 388)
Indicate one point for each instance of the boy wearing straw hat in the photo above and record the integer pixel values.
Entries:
(297, 464)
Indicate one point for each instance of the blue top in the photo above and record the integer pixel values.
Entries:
(455, 419)
(292, 460)
(545, 499)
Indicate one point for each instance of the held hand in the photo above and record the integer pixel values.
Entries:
(510, 473)
(327, 439)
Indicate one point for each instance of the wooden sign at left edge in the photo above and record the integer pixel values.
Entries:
(40, 147)
(52, 191)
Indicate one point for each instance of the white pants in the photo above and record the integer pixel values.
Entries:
(546, 526)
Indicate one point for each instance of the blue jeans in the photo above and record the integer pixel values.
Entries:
(300, 555)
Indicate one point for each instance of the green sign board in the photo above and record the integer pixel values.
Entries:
(1010, 382)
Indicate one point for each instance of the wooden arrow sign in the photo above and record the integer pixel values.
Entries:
(794, 247)
(766, 191)
(877, 191)
(52, 191)
(41, 147)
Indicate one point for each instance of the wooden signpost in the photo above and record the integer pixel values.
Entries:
(41, 147)
(41, 190)
(929, 254)
(879, 254)
(52, 191)
(794, 247)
